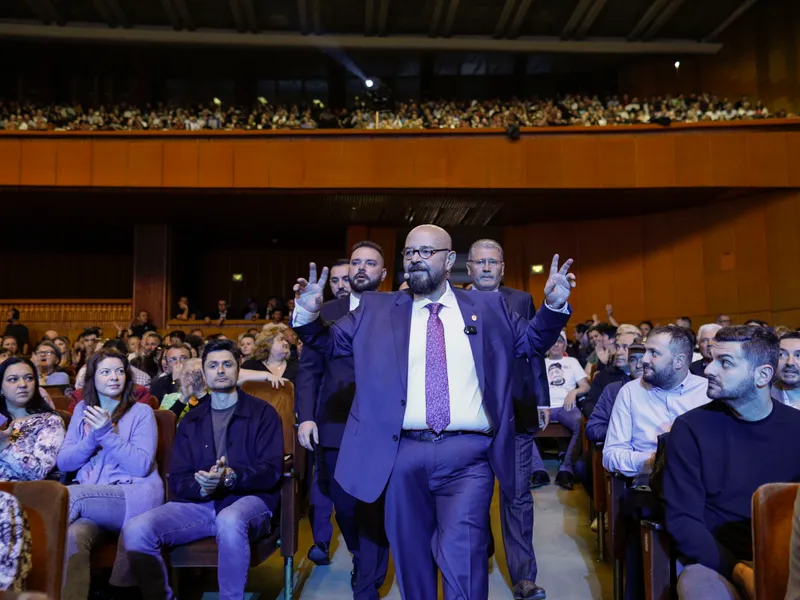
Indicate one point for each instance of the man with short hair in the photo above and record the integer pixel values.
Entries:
(601, 339)
(615, 373)
(220, 314)
(718, 455)
(684, 322)
(225, 477)
(340, 278)
(486, 268)
(646, 408)
(146, 361)
(756, 323)
(46, 357)
(142, 324)
(724, 321)
(705, 339)
(50, 335)
(17, 330)
(786, 385)
(277, 316)
(166, 383)
(324, 397)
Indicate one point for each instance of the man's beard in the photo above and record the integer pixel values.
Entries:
(341, 293)
(793, 379)
(732, 397)
(659, 379)
(363, 284)
(423, 281)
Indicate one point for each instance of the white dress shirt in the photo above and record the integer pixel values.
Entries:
(642, 413)
(466, 397)
(354, 302)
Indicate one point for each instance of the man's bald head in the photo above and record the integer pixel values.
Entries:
(428, 235)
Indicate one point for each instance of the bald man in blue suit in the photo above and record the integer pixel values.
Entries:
(432, 422)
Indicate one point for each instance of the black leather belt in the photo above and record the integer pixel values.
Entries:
(428, 435)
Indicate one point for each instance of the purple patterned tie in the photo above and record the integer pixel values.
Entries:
(437, 388)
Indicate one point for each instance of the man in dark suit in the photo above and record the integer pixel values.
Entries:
(486, 267)
(432, 422)
(323, 396)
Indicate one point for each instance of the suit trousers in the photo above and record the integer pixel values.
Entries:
(437, 514)
(516, 517)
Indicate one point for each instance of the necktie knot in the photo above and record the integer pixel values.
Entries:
(434, 307)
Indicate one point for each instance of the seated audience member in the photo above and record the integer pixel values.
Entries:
(786, 385)
(227, 467)
(340, 278)
(18, 331)
(47, 356)
(111, 443)
(756, 323)
(618, 372)
(251, 311)
(197, 333)
(277, 316)
(196, 344)
(601, 339)
(705, 339)
(723, 321)
(166, 383)
(139, 377)
(782, 330)
(88, 342)
(272, 353)
(247, 343)
(221, 314)
(646, 408)
(793, 588)
(272, 304)
(192, 389)
(4, 355)
(176, 337)
(684, 322)
(147, 360)
(141, 325)
(645, 327)
(567, 381)
(65, 348)
(50, 335)
(184, 312)
(579, 348)
(134, 344)
(31, 432)
(718, 455)
(10, 343)
(289, 308)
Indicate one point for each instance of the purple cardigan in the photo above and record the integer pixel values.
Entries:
(124, 455)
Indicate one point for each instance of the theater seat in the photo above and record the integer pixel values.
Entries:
(554, 430)
(599, 489)
(203, 553)
(773, 508)
(104, 555)
(46, 504)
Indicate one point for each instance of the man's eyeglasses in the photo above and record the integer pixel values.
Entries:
(424, 252)
(486, 261)
(174, 359)
(45, 353)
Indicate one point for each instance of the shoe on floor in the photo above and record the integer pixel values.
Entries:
(565, 480)
(594, 525)
(539, 478)
(528, 590)
(320, 554)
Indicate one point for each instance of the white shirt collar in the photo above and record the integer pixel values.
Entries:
(354, 301)
(448, 299)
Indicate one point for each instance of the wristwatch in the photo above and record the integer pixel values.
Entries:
(230, 478)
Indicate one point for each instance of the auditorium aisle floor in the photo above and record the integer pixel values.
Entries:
(565, 548)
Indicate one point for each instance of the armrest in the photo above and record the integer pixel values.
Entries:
(652, 525)
(290, 502)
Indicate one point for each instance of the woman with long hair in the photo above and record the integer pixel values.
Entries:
(273, 353)
(111, 442)
(31, 432)
(247, 342)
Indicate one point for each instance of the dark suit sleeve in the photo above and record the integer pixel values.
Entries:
(266, 470)
(536, 336)
(332, 340)
(306, 387)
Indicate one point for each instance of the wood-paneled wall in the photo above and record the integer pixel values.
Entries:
(758, 154)
(760, 58)
(740, 258)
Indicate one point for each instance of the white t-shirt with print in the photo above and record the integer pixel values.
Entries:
(563, 375)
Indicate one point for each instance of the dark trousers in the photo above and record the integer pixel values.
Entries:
(437, 514)
(585, 473)
(362, 527)
(320, 510)
(516, 516)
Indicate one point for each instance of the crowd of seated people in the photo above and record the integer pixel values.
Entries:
(717, 404)
(571, 109)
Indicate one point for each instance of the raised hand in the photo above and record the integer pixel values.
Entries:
(559, 284)
(308, 293)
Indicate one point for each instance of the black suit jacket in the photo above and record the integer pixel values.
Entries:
(324, 389)
(530, 386)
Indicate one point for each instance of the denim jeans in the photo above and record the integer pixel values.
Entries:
(177, 523)
(95, 512)
(516, 516)
(697, 582)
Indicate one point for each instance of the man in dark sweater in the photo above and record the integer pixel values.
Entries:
(617, 373)
(705, 338)
(718, 455)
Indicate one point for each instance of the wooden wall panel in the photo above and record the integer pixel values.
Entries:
(151, 271)
(74, 163)
(739, 258)
(743, 154)
(38, 162)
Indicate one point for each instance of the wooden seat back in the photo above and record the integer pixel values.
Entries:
(773, 509)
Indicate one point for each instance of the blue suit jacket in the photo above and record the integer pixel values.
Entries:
(377, 336)
(324, 389)
(531, 388)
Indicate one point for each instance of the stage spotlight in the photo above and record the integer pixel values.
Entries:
(368, 83)
(677, 64)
